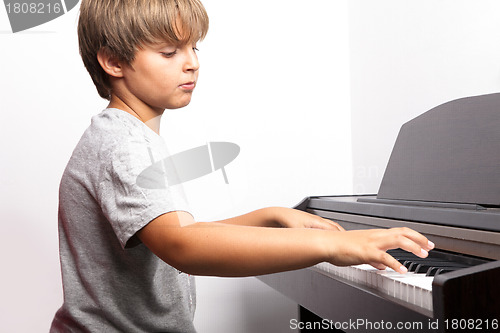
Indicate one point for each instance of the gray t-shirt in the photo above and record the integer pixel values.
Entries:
(112, 282)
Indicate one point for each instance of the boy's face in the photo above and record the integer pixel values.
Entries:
(162, 76)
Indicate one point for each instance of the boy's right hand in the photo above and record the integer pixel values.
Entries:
(370, 246)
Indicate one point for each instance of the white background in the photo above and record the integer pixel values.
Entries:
(408, 57)
(278, 78)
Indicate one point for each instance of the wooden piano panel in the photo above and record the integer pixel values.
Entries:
(343, 303)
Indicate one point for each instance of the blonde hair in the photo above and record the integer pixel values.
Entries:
(121, 27)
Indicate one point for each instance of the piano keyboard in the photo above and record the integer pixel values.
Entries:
(414, 287)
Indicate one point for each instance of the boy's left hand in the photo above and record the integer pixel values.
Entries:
(293, 218)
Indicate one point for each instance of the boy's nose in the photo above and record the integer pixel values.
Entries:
(191, 63)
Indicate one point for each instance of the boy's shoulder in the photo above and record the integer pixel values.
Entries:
(115, 140)
(115, 130)
(114, 122)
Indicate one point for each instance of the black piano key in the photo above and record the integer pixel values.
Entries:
(407, 263)
(430, 266)
(432, 271)
(450, 267)
(422, 268)
(412, 267)
(444, 270)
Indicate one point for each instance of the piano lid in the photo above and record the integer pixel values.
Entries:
(451, 154)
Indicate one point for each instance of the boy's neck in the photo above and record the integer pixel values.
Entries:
(148, 116)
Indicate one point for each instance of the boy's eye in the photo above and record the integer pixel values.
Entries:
(169, 54)
(195, 49)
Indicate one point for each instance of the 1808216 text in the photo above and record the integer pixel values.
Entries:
(33, 8)
(488, 325)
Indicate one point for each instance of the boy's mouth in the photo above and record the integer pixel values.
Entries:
(188, 85)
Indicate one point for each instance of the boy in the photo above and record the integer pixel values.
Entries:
(127, 252)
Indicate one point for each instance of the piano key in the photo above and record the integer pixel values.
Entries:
(430, 266)
(412, 288)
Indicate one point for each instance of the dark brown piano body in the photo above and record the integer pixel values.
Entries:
(443, 180)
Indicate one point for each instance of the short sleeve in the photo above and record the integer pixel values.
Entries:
(128, 206)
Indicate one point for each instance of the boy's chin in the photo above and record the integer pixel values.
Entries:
(178, 105)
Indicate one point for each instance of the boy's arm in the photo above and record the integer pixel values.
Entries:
(282, 217)
(211, 249)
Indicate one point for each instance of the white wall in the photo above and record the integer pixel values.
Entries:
(46, 100)
(274, 79)
(408, 57)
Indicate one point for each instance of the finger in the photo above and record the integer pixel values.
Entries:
(404, 242)
(417, 238)
(338, 226)
(409, 240)
(334, 224)
(387, 260)
(378, 266)
(327, 225)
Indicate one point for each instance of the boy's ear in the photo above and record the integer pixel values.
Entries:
(109, 62)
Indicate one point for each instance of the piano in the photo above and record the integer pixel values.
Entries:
(443, 180)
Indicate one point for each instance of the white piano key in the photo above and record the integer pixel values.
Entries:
(412, 288)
